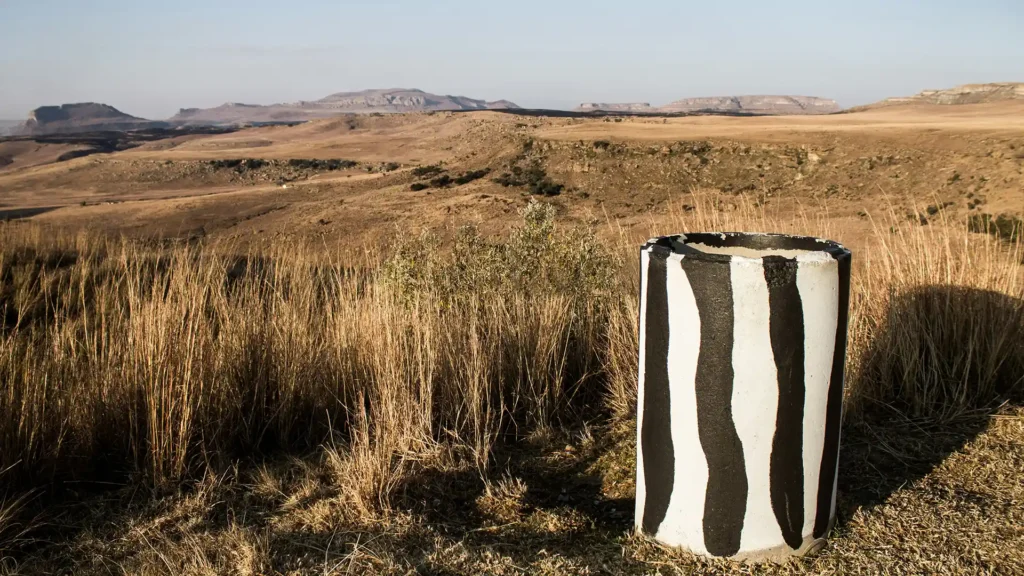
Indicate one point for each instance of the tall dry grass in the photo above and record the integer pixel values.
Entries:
(936, 313)
(124, 360)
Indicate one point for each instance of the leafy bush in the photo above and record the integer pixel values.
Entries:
(239, 164)
(546, 187)
(534, 177)
(536, 258)
(442, 181)
(223, 164)
(519, 176)
(426, 171)
(470, 176)
(1004, 226)
(313, 164)
(417, 186)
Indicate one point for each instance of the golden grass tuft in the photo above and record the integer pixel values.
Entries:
(158, 363)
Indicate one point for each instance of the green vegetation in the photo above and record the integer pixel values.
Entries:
(534, 177)
(1005, 226)
(467, 177)
(445, 180)
(442, 181)
(322, 165)
(239, 164)
(427, 171)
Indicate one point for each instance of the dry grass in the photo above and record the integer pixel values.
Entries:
(431, 399)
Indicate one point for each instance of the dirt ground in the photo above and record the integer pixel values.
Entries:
(911, 501)
(959, 160)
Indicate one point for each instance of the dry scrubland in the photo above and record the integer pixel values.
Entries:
(459, 409)
(460, 401)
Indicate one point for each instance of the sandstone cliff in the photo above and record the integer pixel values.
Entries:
(367, 101)
(764, 105)
(638, 107)
(964, 94)
(755, 105)
(82, 117)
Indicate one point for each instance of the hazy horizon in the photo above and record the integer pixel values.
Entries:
(149, 59)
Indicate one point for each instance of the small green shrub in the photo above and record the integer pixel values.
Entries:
(224, 164)
(442, 181)
(313, 164)
(1004, 226)
(426, 171)
(536, 258)
(470, 176)
(533, 177)
(546, 187)
(239, 164)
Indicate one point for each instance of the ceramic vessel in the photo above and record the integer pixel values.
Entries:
(742, 351)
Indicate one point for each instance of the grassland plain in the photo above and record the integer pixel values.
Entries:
(264, 353)
(461, 407)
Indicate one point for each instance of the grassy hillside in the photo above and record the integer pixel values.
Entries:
(463, 406)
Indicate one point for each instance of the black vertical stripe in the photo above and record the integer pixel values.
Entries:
(726, 497)
(787, 336)
(834, 412)
(656, 431)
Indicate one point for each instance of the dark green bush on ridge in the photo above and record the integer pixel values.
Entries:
(313, 164)
(1004, 226)
(425, 171)
(534, 178)
(442, 181)
(247, 164)
(470, 176)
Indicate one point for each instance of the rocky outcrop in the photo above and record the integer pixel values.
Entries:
(964, 94)
(367, 101)
(634, 107)
(82, 117)
(724, 105)
(767, 105)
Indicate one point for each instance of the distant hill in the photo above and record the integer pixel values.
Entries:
(635, 107)
(763, 105)
(367, 101)
(756, 105)
(82, 117)
(964, 94)
(8, 126)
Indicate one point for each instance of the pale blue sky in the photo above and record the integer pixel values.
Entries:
(150, 58)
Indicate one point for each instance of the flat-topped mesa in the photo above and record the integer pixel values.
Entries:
(82, 117)
(393, 100)
(765, 105)
(639, 107)
(963, 94)
(502, 105)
